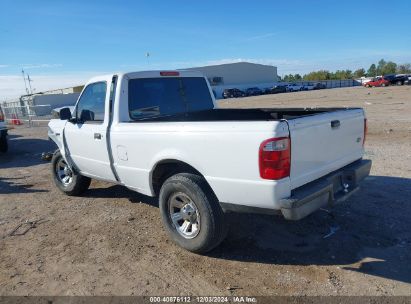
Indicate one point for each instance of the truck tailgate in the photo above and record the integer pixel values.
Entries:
(323, 143)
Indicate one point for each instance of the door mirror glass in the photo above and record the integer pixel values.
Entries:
(65, 114)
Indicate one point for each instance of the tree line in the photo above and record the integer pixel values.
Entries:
(381, 68)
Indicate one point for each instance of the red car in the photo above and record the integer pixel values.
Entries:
(377, 82)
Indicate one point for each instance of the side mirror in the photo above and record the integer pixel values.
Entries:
(65, 114)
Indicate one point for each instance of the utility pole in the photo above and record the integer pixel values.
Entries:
(29, 81)
(25, 84)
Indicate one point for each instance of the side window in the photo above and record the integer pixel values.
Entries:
(91, 105)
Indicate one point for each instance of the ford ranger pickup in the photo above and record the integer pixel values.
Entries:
(161, 133)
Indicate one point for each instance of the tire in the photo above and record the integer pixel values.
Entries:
(198, 224)
(383, 85)
(399, 83)
(74, 184)
(4, 145)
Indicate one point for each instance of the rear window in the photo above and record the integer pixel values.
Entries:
(150, 97)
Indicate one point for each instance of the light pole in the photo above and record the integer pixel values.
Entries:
(25, 84)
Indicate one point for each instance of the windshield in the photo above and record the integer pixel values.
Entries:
(148, 97)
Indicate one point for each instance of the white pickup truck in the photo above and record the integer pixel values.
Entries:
(161, 133)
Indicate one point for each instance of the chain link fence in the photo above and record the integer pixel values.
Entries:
(28, 115)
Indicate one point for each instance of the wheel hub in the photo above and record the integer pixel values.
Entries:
(189, 213)
(184, 215)
(64, 173)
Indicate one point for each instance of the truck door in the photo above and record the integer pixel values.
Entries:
(86, 140)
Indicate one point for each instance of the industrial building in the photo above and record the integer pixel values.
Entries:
(241, 75)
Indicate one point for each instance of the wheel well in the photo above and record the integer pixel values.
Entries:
(167, 168)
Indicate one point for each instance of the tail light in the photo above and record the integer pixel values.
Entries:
(275, 158)
(365, 131)
(1, 116)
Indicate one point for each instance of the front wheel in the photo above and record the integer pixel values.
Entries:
(191, 213)
(68, 181)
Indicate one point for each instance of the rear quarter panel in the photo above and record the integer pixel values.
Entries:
(225, 153)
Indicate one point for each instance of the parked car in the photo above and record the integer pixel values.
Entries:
(307, 87)
(253, 91)
(293, 87)
(399, 79)
(3, 133)
(377, 82)
(319, 86)
(276, 89)
(162, 134)
(230, 93)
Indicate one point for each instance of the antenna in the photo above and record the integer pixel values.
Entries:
(30, 81)
(25, 84)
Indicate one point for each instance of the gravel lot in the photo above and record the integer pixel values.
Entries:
(111, 241)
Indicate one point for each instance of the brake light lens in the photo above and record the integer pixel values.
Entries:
(365, 131)
(275, 158)
(169, 73)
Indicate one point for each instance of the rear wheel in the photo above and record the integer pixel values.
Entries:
(191, 213)
(68, 181)
(400, 83)
(383, 85)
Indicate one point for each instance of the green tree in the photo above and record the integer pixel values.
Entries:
(389, 68)
(318, 75)
(372, 71)
(359, 73)
(404, 68)
(380, 66)
(289, 78)
(342, 74)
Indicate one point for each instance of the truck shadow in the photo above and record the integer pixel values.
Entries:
(369, 233)
(116, 191)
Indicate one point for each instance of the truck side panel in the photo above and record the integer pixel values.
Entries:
(225, 153)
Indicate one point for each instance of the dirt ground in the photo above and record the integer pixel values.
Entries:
(111, 241)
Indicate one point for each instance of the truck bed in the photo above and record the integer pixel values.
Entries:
(251, 114)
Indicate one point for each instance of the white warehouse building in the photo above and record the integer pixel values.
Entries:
(240, 75)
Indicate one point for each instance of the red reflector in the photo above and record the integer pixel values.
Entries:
(170, 73)
(275, 158)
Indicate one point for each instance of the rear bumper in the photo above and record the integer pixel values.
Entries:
(334, 187)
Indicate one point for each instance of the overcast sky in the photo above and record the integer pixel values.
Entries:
(63, 43)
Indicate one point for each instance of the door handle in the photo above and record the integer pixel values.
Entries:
(97, 136)
(335, 124)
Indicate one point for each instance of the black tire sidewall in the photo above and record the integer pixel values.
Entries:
(56, 158)
(79, 183)
(177, 183)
